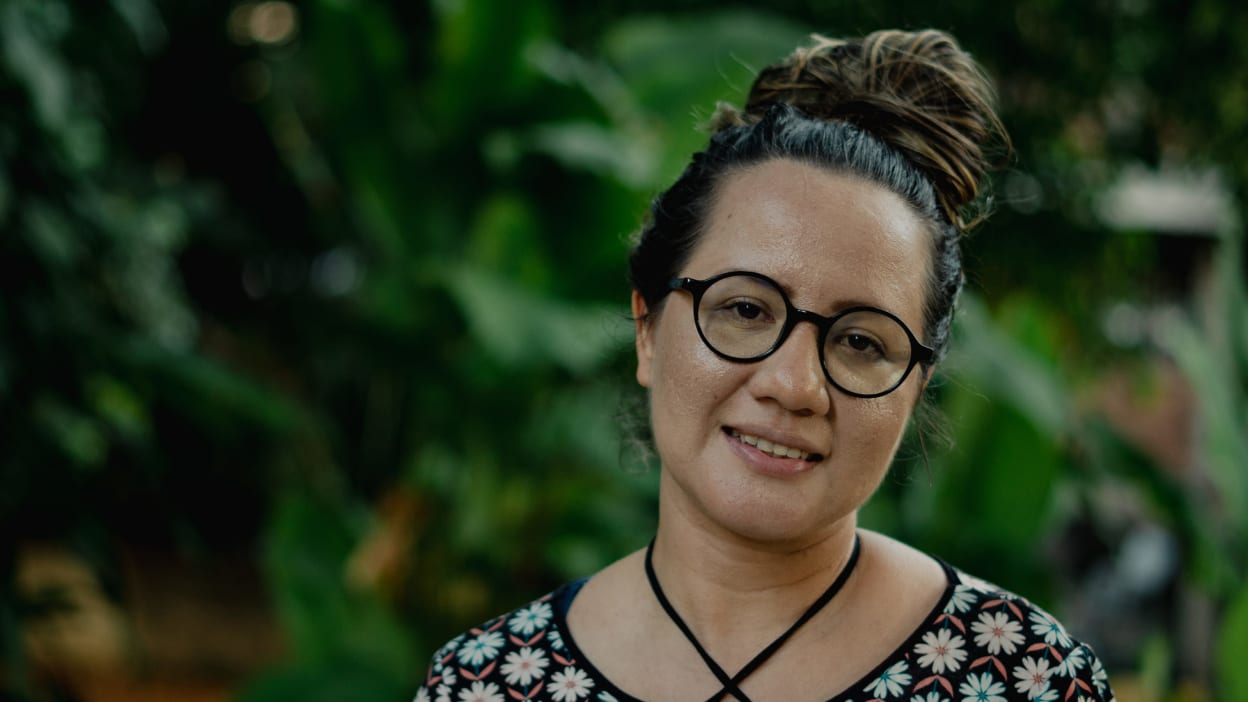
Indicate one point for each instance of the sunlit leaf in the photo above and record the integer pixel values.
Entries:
(630, 158)
(119, 406)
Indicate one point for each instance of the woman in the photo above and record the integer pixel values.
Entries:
(792, 293)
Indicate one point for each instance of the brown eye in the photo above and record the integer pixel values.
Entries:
(859, 342)
(862, 345)
(747, 310)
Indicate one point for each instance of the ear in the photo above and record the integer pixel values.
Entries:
(643, 338)
(925, 377)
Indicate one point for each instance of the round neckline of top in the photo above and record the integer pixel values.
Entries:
(562, 603)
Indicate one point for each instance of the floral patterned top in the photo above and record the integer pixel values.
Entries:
(979, 644)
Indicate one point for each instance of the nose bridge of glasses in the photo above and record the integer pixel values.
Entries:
(818, 322)
(793, 371)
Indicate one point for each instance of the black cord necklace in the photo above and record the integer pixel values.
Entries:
(731, 685)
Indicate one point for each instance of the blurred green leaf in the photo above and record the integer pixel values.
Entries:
(118, 405)
(328, 681)
(598, 150)
(52, 236)
(76, 434)
(224, 397)
(305, 556)
(144, 21)
(481, 43)
(1224, 441)
(26, 32)
(994, 363)
(506, 237)
(521, 328)
(483, 164)
(1232, 642)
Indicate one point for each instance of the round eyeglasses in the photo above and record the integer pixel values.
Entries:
(745, 317)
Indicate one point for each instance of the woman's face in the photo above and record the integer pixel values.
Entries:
(832, 241)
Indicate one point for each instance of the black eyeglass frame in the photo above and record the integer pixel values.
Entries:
(918, 352)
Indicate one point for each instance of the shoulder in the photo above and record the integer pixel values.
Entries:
(517, 655)
(1011, 647)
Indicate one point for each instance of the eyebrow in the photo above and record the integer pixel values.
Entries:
(837, 307)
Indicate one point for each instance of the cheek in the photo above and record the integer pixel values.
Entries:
(687, 384)
(878, 424)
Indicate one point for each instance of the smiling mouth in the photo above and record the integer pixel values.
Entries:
(772, 448)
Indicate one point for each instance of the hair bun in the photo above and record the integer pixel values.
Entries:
(919, 92)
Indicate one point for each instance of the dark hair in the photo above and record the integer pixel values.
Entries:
(910, 111)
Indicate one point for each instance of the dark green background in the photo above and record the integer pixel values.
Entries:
(284, 295)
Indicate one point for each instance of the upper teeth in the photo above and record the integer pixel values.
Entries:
(777, 450)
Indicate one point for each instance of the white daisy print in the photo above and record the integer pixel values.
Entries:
(530, 619)
(891, 682)
(1072, 664)
(1049, 695)
(452, 645)
(569, 685)
(555, 638)
(524, 667)
(1033, 676)
(480, 649)
(961, 600)
(442, 693)
(941, 650)
(1099, 677)
(981, 688)
(932, 696)
(422, 695)
(605, 696)
(481, 692)
(1048, 627)
(997, 632)
(975, 583)
(448, 676)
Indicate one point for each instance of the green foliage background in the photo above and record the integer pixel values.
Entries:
(256, 290)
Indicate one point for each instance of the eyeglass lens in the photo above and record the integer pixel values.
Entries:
(743, 317)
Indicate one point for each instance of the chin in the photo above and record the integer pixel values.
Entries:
(772, 523)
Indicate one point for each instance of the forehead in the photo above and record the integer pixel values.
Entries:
(831, 239)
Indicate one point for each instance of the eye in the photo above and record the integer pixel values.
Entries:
(742, 308)
(746, 309)
(746, 312)
(861, 345)
(858, 342)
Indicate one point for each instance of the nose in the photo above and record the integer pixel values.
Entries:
(792, 376)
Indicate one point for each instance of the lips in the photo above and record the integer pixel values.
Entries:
(772, 448)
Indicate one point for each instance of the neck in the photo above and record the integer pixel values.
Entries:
(739, 593)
